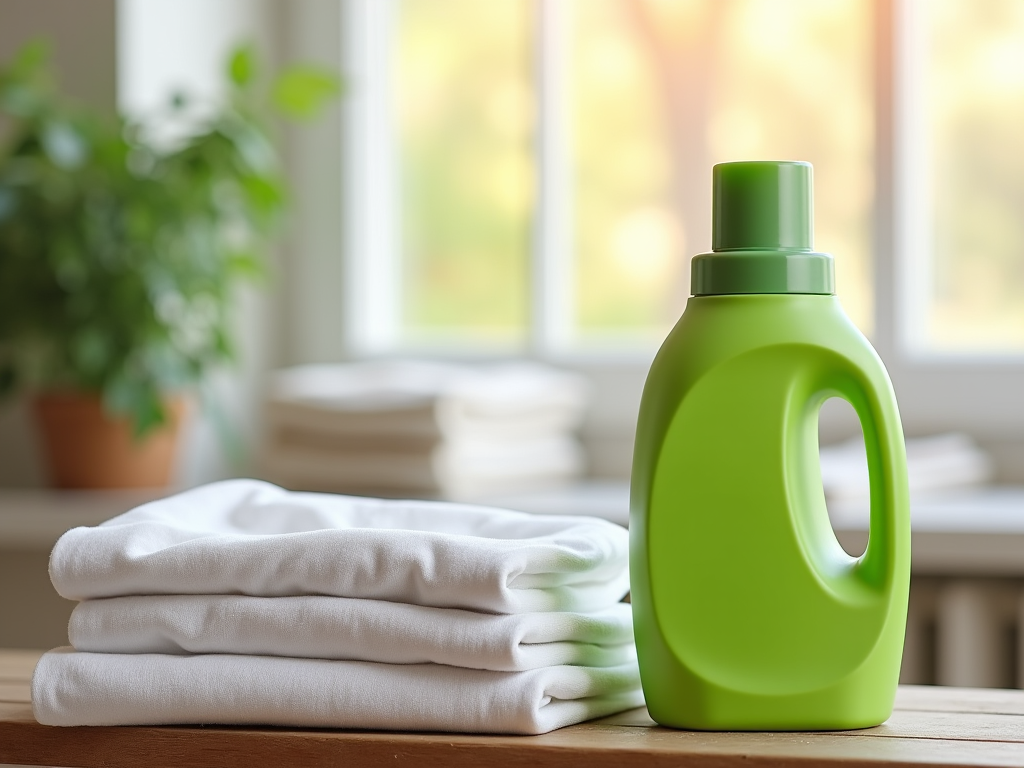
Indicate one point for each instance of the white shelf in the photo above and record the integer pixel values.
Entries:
(35, 518)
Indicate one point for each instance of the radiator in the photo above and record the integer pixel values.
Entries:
(966, 632)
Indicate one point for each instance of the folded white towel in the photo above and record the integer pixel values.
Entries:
(455, 469)
(73, 688)
(399, 400)
(253, 538)
(934, 463)
(350, 628)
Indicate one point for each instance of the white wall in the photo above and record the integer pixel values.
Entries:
(309, 275)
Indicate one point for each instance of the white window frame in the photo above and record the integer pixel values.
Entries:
(979, 395)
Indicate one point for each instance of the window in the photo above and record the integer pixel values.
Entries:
(463, 111)
(551, 160)
(532, 176)
(966, 69)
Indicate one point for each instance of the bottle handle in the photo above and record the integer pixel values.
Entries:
(873, 400)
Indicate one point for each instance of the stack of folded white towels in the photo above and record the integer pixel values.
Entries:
(431, 429)
(934, 463)
(242, 603)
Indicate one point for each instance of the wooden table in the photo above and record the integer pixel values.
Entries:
(931, 726)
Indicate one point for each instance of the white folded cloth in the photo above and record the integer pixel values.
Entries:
(242, 603)
(250, 537)
(350, 628)
(423, 428)
(454, 469)
(75, 688)
(934, 463)
(402, 400)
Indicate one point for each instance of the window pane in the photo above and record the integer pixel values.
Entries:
(975, 94)
(464, 113)
(663, 89)
(628, 239)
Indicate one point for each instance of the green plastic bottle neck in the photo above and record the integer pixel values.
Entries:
(762, 233)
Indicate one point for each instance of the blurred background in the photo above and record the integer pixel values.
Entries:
(523, 178)
(528, 179)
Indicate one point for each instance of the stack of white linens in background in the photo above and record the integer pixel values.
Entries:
(423, 428)
(934, 463)
(242, 603)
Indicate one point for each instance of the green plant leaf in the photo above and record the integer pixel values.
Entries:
(25, 84)
(264, 193)
(149, 414)
(242, 66)
(92, 351)
(131, 396)
(246, 264)
(30, 58)
(300, 92)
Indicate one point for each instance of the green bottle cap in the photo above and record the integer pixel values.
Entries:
(762, 235)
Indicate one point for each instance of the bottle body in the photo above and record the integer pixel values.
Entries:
(748, 614)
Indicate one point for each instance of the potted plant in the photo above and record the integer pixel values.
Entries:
(121, 247)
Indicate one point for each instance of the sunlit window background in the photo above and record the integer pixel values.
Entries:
(464, 109)
(662, 90)
(657, 91)
(975, 109)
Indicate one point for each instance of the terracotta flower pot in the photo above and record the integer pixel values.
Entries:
(86, 448)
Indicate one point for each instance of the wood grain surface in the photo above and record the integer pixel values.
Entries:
(931, 726)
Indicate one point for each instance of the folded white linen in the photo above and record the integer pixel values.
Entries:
(934, 463)
(454, 469)
(351, 628)
(73, 688)
(399, 400)
(254, 538)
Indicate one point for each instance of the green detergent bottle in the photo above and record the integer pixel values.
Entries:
(748, 614)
